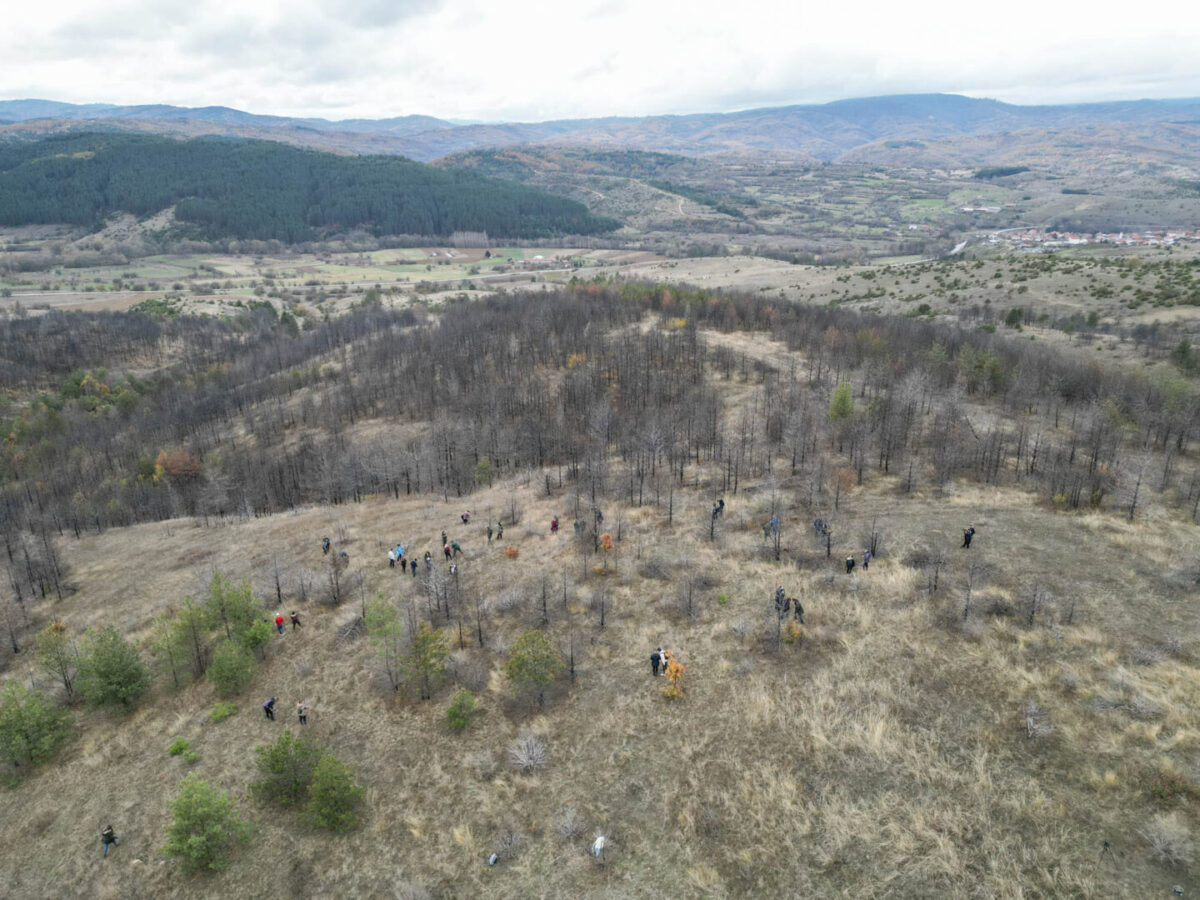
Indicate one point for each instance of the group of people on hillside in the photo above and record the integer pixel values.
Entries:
(343, 557)
(659, 660)
(301, 709)
(296, 623)
(866, 561)
(784, 604)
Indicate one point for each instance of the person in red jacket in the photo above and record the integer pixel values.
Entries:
(279, 623)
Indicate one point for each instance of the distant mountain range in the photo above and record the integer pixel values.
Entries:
(825, 132)
(28, 110)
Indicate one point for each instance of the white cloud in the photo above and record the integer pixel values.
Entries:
(537, 59)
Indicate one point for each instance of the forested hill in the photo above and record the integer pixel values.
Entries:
(263, 190)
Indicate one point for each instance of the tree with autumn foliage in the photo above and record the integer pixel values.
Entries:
(675, 670)
(606, 544)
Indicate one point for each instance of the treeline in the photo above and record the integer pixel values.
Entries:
(255, 419)
(703, 197)
(523, 163)
(1000, 171)
(262, 190)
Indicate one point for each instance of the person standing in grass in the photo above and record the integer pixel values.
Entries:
(302, 712)
(866, 559)
(455, 548)
(849, 564)
(391, 559)
(780, 595)
(554, 525)
(797, 610)
(295, 621)
(499, 531)
(325, 545)
(413, 565)
(279, 623)
(269, 709)
(655, 661)
(109, 838)
(489, 533)
(967, 535)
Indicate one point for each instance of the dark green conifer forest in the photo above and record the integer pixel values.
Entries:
(264, 190)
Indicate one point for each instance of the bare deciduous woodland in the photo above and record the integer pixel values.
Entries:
(338, 568)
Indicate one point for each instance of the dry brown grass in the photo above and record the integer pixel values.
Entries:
(885, 754)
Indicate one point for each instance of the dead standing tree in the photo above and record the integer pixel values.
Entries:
(976, 574)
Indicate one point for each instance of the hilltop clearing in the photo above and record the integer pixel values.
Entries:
(944, 720)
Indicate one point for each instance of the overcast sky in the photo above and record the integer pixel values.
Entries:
(527, 60)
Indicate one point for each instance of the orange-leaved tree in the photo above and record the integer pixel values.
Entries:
(606, 544)
(674, 688)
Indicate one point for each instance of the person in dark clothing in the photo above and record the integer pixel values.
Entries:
(324, 545)
(455, 548)
(797, 610)
(499, 531)
(302, 712)
(109, 838)
(554, 525)
(446, 549)
(780, 596)
(466, 517)
(295, 621)
(269, 709)
(967, 535)
(489, 534)
(445, 540)
(412, 564)
(720, 506)
(716, 511)
(599, 516)
(849, 564)
(655, 661)
(866, 559)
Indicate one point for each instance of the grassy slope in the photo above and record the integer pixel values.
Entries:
(886, 755)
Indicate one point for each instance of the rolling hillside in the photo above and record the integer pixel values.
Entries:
(265, 190)
(818, 131)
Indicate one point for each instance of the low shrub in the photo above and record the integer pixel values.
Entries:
(461, 710)
(527, 753)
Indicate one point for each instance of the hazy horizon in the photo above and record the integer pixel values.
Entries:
(537, 60)
(457, 121)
